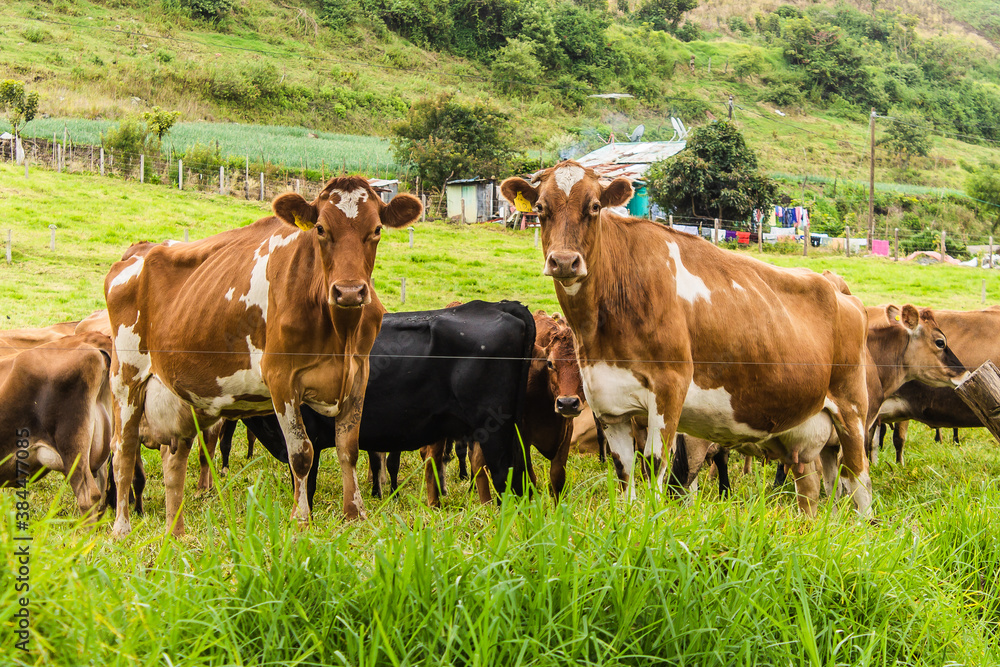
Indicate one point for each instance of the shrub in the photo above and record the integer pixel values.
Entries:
(127, 141)
(738, 24)
(35, 35)
(515, 65)
(208, 10)
(689, 32)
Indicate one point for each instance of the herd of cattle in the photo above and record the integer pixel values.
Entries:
(664, 338)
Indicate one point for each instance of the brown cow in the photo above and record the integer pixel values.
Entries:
(14, 341)
(972, 335)
(56, 400)
(251, 321)
(727, 347)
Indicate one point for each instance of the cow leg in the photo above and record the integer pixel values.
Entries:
(557, 468)
(205, 455)
(621, 446)
(124, 445)
(311, 480)
(721, 461)
(251, 439)
(138, 485)
(392, 469)
(937, 435)
(377, 468)
(602, 441)
(899, 440)
(746, 463)
(347, 431)
(806, 486)
(849, 424)
(85, 488)
(300, 456)
(226, 441)
(479, 474)
(780, 475)
(174, 469)
(829, 458)
(433, 457)
(462, 452)
(954, 436)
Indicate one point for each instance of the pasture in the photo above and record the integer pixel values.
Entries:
(596, 580)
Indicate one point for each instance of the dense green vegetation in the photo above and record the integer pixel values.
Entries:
(595, 581)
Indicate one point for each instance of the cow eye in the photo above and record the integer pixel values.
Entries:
(595, 208)
(940, 343)
(320, 230)
(551, 365)
(539, 210)
(378, 231)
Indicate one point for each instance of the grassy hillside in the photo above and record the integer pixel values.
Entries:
(596, 581)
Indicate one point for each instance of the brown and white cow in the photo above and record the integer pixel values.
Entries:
(251, 321)
(724, 346)
(56, 397)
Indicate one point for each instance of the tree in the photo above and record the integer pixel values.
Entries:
(19, 107)
(905, 137)
(445, 138)
(516, 66)
(664, 14)
(159, 122)
(715, 176)
(984, 184)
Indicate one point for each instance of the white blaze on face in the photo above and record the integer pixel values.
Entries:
(689, 286)
(349, 200)
(567, 177)
(128, 273)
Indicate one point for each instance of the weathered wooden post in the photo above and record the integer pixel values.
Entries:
(423, 212)
(715, 232)
(760, 238)
(670, 220)
(262, 186)
(59, 158)
(142, 168)
(410, 229)
(180, 174)
(847, 239)
(102, 160)
(298, 187)
(222, 180)
(402, 291)
(895, 245)
(981, 392)
(805, 241)
(463, 210)
(52, 238)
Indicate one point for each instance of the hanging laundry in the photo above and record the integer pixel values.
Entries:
(880, 248)
(791, 220)
(730, 235)
(779, 217)
(743, 238)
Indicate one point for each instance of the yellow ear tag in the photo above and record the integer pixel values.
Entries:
(521, 203)
(301, 225)
(897, 318)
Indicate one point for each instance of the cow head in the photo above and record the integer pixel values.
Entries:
(346, 221)
(927, 357)
(565, 381)
(569, 199)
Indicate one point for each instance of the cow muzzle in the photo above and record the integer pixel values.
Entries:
(350, 294)
(565, 266)
(569, 406)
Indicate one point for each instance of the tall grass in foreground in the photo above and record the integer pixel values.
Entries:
(594, 581)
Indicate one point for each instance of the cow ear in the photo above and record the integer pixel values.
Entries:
(617, 194)
(519, 193)
(892, 314)
(404, 209)
(927, 315)
(295, 210)
(540, 352)
(910, 317)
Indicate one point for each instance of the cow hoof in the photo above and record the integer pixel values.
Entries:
(121, 528)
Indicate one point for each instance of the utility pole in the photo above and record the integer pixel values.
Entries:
(871, 183)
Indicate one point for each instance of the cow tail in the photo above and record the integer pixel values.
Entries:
(679, 470)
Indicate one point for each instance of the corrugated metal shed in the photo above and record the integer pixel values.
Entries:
(386, 188)
(630, 160)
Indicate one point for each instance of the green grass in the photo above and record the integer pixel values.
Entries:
(743, 581)
(291, 147)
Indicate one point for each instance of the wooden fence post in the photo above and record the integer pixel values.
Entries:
(981, 392)
(52, 239)
(670, 220)
(102, 160)
(760, 238)
(142, 168)
(715, 232)
(536, 237)
(423, 212)
(222, 180)
(463, 210)
(410, 229)
(180, 174)
(895, 245)
(246, 178)
(402, 291)
(262, 186)
(59, 158)
(847, 239)
(943, 246)
(805, 241)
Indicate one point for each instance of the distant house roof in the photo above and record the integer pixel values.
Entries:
(629, 159)
(468, 181)
(382, 182)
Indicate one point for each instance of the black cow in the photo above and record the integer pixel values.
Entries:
(435, 375)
